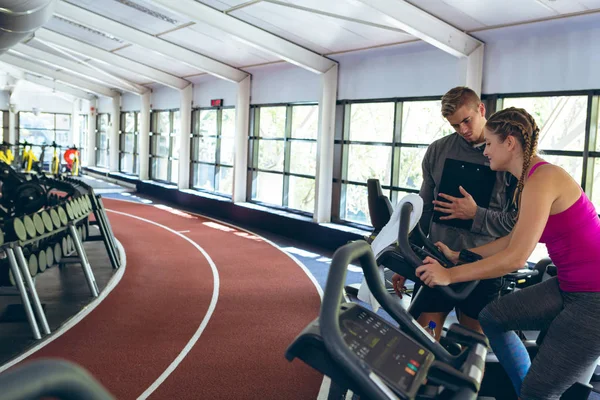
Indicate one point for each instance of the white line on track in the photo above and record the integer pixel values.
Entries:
(324, 389)
(211, 308)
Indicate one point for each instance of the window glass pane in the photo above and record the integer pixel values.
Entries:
(129, 142)
(228, 122)
(356, 204)
(176, 128)
(160, 145)
(302, 194)
(102, 158)
(162, 122)
(270, 155)
(227, 150)
(561, 120)
(36, 137)
(175, 146)
(366, 162)
(422, 122)
(411, 174)
(102, 122)
(208, 122)
(159, 168)
(127, 163)
(62, 138)
(372, 122)
(269, 188)
(83, 138)
(63, 121)
(204, 149)
(129, 122)
(596, 184)
(573, 165)
(397, 195)
(272, 122)
(303, 158)
(102, 140)
(204, 177)
(225, 178)
(305, 122)
(174, 171)
(41, 121)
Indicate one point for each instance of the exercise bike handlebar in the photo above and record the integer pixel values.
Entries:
(51, 378)
(457, 292)
(356, 368)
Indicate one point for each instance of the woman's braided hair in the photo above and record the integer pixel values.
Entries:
(520, 124)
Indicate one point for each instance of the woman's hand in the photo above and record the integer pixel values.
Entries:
(398, 282)
(451, 255)
(433, 274)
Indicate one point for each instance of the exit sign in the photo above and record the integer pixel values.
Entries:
(216, 103)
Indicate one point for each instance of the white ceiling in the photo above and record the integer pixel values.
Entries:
(322, 26)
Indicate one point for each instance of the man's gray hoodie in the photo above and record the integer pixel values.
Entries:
(490, 223)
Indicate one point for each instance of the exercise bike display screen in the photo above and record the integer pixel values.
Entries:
(392, 355)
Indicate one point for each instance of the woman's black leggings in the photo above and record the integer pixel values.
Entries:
(570, 347)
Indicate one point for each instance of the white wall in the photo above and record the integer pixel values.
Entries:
(207, 87)
(283, 83)
(104, 105)
(548, 56)
(131, 102)
(45, 102)
(406, 70)
(164, 98)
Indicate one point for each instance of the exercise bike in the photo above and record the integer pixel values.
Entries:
(405, 257)
(362, 352)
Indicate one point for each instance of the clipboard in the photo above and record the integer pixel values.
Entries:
(477, 179)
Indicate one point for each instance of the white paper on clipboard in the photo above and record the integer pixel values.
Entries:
(388, 236)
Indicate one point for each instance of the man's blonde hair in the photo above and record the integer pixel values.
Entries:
(457, 97)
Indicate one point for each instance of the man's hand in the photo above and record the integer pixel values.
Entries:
(398, 282)
(433, 274)
(455, 207)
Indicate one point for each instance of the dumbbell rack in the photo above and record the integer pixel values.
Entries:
(67, 225)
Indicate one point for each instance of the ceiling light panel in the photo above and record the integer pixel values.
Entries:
(137, 14)
(81, 32)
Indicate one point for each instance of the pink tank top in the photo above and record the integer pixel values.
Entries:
(573, 241)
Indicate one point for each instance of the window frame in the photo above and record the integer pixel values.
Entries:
(122, 132)
(172, 138)
(98, 147)
(342, 144)
(287, 139)
(196, 112)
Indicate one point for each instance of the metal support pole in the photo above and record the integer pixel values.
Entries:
(87, 269)
(24, 297)
(37, 306)
(106, 233)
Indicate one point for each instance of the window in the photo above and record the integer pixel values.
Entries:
(43, 129)
(284, 154)
(212, 150)
(593, 175)
(83, 138)
(164, 146)
(128, 143)
(562, 128)
(385, 141)
(102, 140)
(562, 123)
